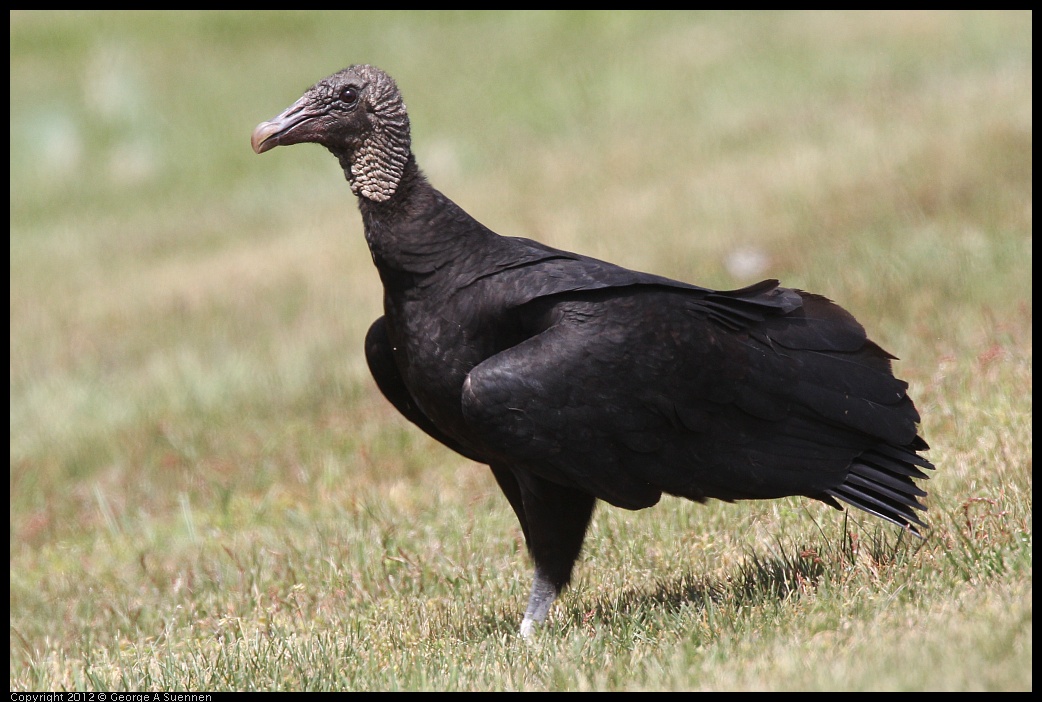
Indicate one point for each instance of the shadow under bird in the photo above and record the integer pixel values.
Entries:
(577, 380)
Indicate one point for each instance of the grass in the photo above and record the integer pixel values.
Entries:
(207, 491)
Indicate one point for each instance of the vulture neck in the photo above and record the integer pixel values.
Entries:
(418, 232)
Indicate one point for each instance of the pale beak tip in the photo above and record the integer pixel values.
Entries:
(262, 138)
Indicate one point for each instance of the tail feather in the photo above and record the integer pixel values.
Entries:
(880, 482)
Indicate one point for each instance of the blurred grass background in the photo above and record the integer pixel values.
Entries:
(208, 492)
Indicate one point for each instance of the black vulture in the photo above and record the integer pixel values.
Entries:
(577, 380)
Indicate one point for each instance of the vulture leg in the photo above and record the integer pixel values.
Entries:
(557, 517)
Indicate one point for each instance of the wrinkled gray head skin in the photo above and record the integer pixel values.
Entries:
(359, 115)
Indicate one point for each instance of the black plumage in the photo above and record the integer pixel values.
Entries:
(577, 380)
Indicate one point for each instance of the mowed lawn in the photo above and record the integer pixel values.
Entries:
(209, 493)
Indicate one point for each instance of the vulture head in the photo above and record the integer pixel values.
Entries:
(359, 115)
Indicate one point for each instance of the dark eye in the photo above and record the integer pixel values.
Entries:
(349, 95)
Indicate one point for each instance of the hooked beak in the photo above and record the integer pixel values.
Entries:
(283, 130)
